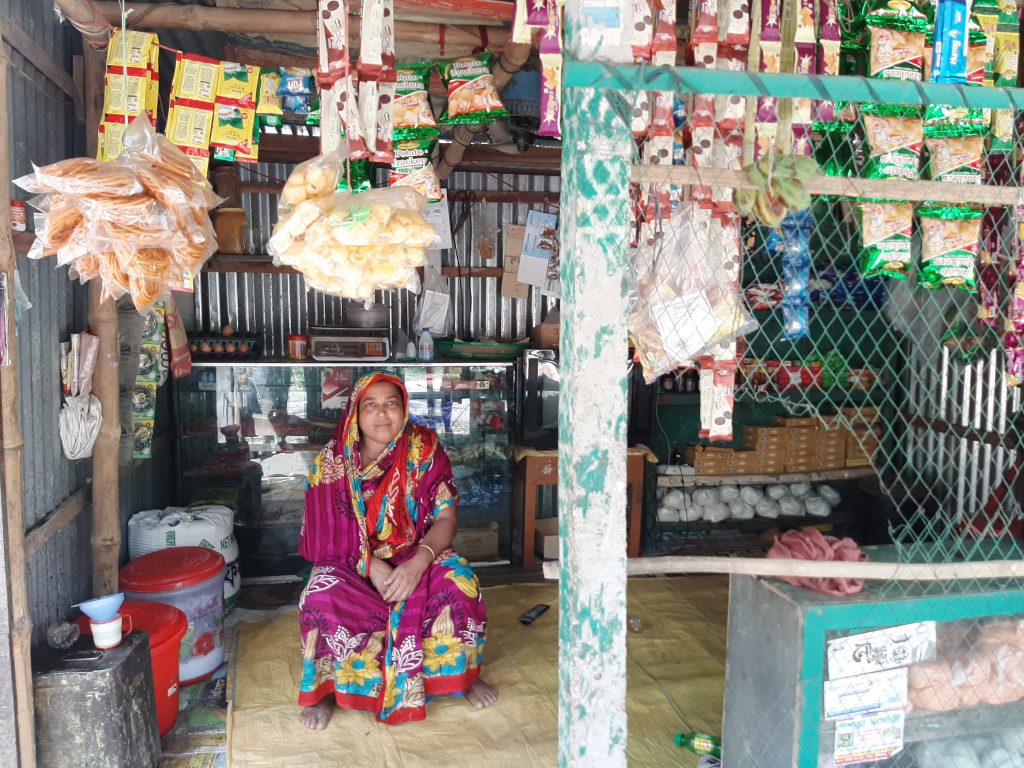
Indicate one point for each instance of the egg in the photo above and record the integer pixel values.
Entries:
(243, 348)
(229, 347)
(193, 347)
(206, 347)
(218, 347)
(227, 332)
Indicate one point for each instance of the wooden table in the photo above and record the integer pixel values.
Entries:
(536, 469)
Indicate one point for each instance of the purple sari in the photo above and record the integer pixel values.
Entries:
(369, 654)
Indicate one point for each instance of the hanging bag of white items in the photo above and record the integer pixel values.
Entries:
(79, 424)
(210, 526)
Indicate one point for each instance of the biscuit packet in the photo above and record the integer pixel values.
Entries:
(472, 97)
(950, 236)
(412, 168)
(269, 109)
(886, 231)
(894, 139)
(413, 115)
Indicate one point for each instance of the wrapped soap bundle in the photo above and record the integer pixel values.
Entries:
(140, 223)
(349, 245)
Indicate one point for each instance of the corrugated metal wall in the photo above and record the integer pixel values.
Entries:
(971, 395)
(277, 305)
(42, 129)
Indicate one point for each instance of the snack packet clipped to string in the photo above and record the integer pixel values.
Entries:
(1013, 326)
(897, 36)
(949, 245)
(413, 116)
(796, 274)
(894, 137)
(412, 168)
(234, 125)
(472, 97)
(269, 108)
(297, 90)
(886, 231)
(551, 74)
(190, 117)
(356, 177)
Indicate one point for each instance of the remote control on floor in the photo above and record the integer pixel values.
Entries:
(533, 613)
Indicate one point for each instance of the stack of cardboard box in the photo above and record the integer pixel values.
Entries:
(863, 439)
(795, 444)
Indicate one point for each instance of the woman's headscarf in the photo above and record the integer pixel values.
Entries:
(390, 514)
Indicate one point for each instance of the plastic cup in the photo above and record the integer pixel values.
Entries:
(108, 634)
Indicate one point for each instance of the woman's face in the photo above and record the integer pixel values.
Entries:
(381, 413)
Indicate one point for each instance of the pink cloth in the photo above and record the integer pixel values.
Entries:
(812, 544)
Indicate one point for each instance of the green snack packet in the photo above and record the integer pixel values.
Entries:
(896, 14)
(894, 140)
(356, 177)
(834, 150)
(886, 230)
(946, 120)
(950, 236)
(955, 159)
(472, 97)
(413, 116)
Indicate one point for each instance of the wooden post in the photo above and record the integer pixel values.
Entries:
(597, 154)
(106, 511)
(11, 496)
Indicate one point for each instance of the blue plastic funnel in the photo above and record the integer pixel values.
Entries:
(102, 608)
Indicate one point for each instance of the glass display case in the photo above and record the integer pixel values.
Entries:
(248, 433)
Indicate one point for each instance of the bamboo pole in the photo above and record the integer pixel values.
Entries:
(816, 569)
(12, 497)
(245, 21)
(512, 59)
(106, 512)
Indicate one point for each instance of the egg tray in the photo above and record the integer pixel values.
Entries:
(253, 353)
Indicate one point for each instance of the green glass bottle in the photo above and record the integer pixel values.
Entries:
(700, 743)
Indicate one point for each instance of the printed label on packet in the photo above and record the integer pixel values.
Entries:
(896, 54)
(896, 144)
(412, 168)
(956, 160)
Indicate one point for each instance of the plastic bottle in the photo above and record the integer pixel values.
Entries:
(426, 346)
(700, 743)
(410, 350)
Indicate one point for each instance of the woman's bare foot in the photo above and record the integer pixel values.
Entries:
(317, 716)
(481, 695)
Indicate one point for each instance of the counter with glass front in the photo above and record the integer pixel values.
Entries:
(248, 433)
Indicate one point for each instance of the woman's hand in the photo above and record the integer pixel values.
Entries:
(406, 577)
(380, 572)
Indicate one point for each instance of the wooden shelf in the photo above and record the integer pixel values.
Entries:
(687, 481)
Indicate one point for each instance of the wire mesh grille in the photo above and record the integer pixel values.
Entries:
(876, 328)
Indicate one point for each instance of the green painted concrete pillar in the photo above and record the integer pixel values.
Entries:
(597, 152)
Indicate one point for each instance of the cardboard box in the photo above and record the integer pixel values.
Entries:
(864, 415)
(831, 440)
(796, 421)
(477, 543)
(861, 446)
(545, 538)
(545, 336)
(510, 285)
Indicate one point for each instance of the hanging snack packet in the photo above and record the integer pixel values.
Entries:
(551, 75)
(894, 137)
(296, 90)
(356, 177)
(412, 168)
(472, 97)
(234, 125)
(955, 159)
(269, 109)
(949, 245)
(886, 231)
(413, 116)
(190, 118)
(897, 30)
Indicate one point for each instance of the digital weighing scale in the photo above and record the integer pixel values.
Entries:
(349, 344)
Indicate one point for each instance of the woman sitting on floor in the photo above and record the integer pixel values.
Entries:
(391, 613)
